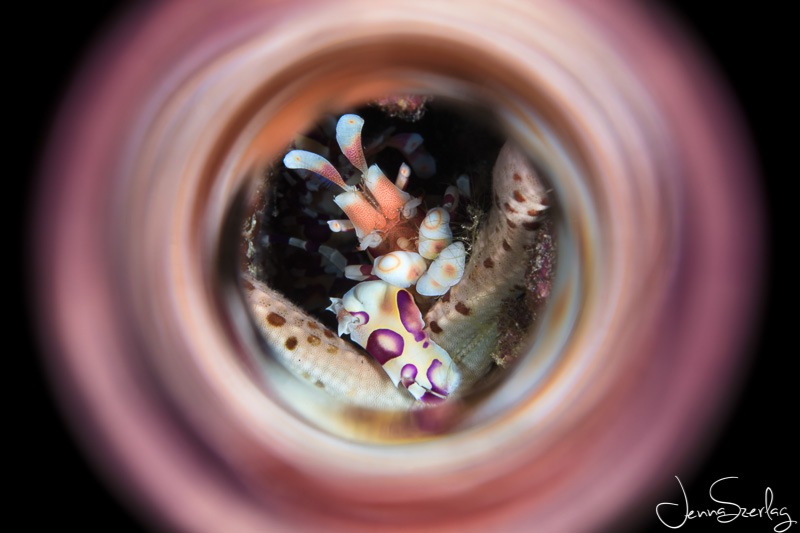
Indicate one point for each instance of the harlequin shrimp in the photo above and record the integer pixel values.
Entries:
(428, 319)
(408, 249)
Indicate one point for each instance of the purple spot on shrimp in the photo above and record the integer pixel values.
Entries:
(410, 315)
(384, 345)
(362, 315)
(431, 373)
(408, 374)
(431, 398)
(426, 344)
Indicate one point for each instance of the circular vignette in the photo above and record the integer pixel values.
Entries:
(135, 192)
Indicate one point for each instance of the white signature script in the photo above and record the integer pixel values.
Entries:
(730, 511)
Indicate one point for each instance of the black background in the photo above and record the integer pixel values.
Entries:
(750, 46)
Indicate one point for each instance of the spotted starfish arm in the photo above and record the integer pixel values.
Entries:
(465, 321)
(312, 353)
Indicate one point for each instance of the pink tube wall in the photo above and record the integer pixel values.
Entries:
(643, 342)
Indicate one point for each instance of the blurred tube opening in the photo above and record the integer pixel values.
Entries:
(183, 104)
